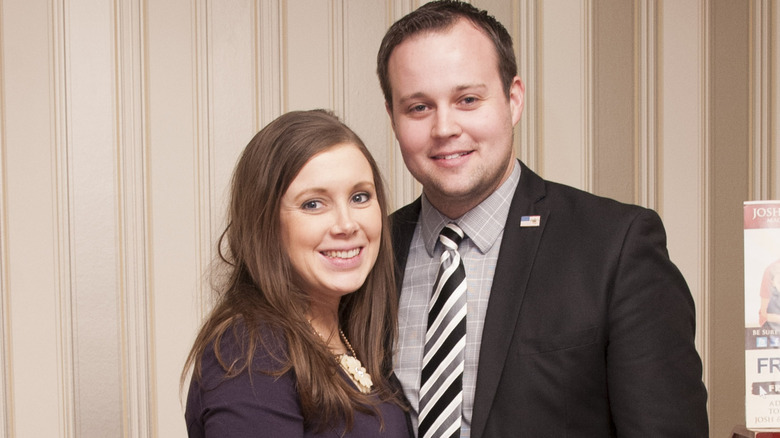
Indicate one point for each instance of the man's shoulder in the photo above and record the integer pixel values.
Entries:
(563, 197)
(533, 191)
(406, 216)
(411, 209)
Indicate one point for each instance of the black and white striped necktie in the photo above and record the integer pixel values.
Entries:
(441, 384)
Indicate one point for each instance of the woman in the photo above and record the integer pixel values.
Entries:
(297, 344)
(769, 313)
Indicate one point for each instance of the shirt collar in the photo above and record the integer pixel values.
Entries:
(482, 224)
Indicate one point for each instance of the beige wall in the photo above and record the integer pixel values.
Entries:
(120, 122)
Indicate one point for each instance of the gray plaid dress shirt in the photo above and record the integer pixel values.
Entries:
(484, 228)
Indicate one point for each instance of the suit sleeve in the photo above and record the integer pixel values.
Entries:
(242, 406)
(654, 371)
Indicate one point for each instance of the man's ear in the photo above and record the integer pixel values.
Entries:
(516, 99)
(389, 110)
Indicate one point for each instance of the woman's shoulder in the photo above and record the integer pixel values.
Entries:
(232, 398)
(264, 346)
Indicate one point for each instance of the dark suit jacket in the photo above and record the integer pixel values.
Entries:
(589, 330)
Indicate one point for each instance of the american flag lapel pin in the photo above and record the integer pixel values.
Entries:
(530, 221)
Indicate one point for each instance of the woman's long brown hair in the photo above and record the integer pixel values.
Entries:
(260, 303)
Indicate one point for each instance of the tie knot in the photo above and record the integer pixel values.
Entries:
(450, 236)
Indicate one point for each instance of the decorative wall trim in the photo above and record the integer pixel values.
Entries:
(64, 251)
(269, 75)
(403, 187)
(283, 69)
(524, 31)
(339, 55)
(704, 307)
(6, 364)
(647, 102)
(139, 402)
(588, 102)
(206, 204)
(760, 100)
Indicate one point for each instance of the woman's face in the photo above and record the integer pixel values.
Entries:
(331, 223)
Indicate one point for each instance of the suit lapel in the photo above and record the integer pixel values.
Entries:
(516, 257)
(402, 224)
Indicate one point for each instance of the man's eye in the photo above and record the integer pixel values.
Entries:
(418, 108)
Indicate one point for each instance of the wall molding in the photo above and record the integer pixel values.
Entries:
(138, 400)
(338, 58)
(6, 364)
(524, 31)
(402, 185)
(64, 251)
(704, 308)
(760, 100)
(205, 193)
(588, 53)
(269, 75)
(647, 101)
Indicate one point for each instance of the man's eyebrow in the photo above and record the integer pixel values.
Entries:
(413, 96)
(469, 86)
(456, 89)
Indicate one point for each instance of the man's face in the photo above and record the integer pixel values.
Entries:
(451, 115)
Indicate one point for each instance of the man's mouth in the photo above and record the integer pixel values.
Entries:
(451, 156)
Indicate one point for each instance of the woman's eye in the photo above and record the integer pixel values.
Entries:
(311, 205)
(361, 198)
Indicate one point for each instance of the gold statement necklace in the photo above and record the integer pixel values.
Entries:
(355, 370)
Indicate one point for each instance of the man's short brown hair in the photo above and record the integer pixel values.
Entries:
(439, 16)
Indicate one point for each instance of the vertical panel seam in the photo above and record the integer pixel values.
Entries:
(63, 227)
(338, 59)
(269, 51)
(588, 54)
(6, 362)
(524, 29)
(405, 187)
(138, 395)
(646, 112)
(203, 153)
(703, 310)
(760, 96)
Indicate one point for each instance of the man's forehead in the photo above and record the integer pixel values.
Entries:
(451, 29)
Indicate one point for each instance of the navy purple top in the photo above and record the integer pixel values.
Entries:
(266, 405)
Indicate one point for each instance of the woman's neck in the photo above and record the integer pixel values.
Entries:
(326, 326)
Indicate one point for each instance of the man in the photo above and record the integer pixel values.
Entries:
(577, 323)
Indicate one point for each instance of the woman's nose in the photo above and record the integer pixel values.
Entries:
(345, 221)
